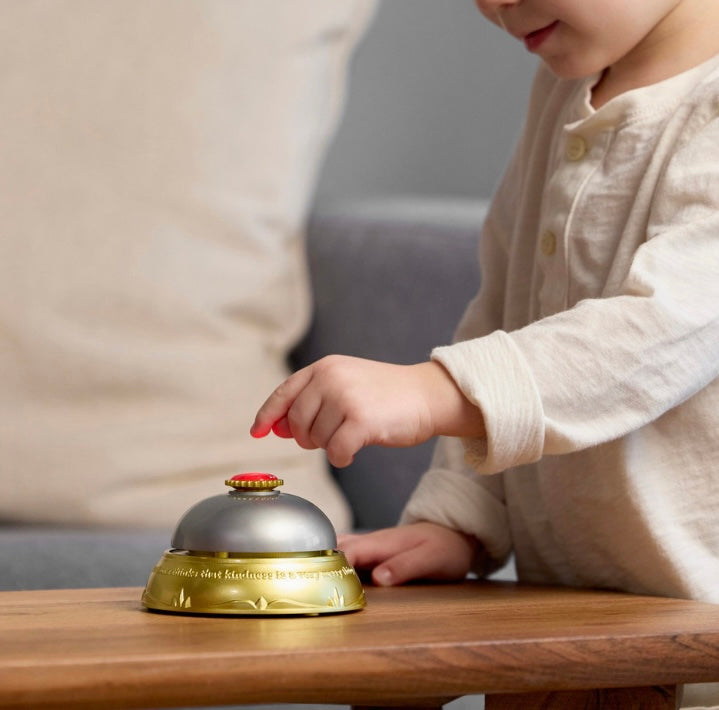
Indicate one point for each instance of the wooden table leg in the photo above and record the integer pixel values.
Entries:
(664, 697)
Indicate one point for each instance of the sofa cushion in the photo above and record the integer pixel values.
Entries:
(156, 167)
(46, 557)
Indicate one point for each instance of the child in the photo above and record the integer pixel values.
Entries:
(584, 375)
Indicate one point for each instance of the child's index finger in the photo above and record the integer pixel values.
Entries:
(259, 431)
(278, 404)
(279, 428)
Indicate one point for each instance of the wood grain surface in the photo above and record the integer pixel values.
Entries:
(416, 645)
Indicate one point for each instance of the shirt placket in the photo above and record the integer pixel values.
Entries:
(576, 157)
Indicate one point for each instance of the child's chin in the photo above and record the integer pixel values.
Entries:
(565, 70)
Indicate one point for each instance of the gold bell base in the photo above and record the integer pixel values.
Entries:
(192, 583)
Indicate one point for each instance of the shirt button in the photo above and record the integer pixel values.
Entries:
(576, 148)
(548, 243)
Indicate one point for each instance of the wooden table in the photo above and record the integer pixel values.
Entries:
(417, 645)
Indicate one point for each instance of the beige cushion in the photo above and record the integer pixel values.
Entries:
(157, 160)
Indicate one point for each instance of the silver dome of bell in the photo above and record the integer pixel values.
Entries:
(254, 518)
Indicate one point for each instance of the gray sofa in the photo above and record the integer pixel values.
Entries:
(390, 278)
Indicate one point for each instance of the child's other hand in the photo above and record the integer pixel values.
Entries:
(342, 404)
(408, 552)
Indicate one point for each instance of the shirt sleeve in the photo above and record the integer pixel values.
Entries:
(609, 365)
(453, 495)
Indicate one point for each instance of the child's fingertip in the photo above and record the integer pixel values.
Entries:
(382, 577)
(257, 432)
(281, 428)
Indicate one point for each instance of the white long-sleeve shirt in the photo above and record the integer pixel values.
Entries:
(592, 348)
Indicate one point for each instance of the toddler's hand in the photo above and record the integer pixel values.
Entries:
(342, 404)
(416, 551)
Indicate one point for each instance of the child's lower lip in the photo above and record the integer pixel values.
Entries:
(534, 39)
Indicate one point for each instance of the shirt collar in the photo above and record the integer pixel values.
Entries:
(638, 104)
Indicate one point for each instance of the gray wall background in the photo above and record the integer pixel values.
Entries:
(437, 97)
